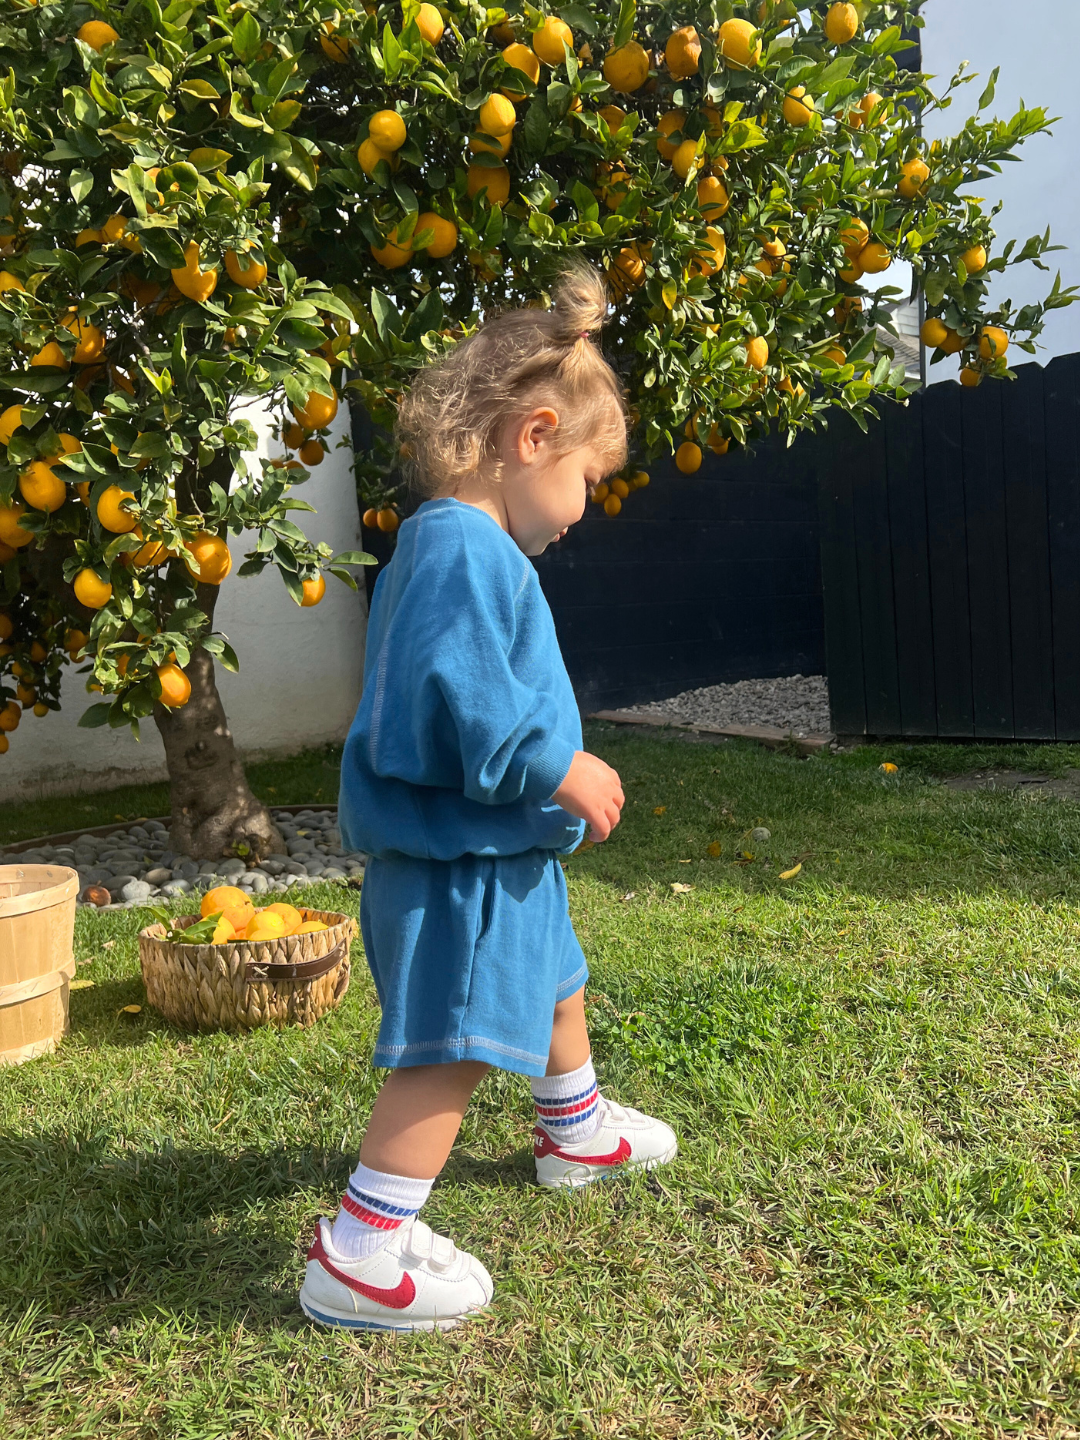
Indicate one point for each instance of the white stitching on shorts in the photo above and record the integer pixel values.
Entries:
(576, 980)
(464, 1041)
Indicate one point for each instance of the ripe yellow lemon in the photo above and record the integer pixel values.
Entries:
(497, 115)
(109, 513)
(494, 179)
(10, 716)
(175, 685)
(841, 24)
(913, 177)
(684, 159)
(10, 282)
(311, 452)
(91, 590)
(993, 342)
(713, 197)
(683, 52)
(798, 106)
(311, 927)
(612, 116)
(334, 47)
(115, 232)
(739, 44)
(196, 284)
(430, 24)
(934, 333)
(41, 709)
(612, 505)
(265, 925)
(50, 354)
(387, 519)
(757, 352)
(874, 258)
(670, 123)
(10, 421)
(387, 129)
(974, 259)
(247, 278)
(969, 378)
(11, 532)
(523, 59)
(231, 903)
(445, 238)
(549, 40)
(627, 68)
(212, 556)
(289, 913)
(854, 236)
(314, 590)
(392, 256)
(96, 34)
(90, 340)
(485, 144)
(317, 410)
(41, 487)
(369, 156)
(953, 342)
(688, 457)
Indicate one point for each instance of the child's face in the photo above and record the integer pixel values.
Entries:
(544, 492)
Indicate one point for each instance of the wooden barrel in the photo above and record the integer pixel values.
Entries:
(37, 958)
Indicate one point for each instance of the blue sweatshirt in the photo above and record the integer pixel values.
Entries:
(468, 723)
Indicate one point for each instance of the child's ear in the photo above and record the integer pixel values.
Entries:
(536, 431)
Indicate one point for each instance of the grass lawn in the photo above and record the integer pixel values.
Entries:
(871, 1230)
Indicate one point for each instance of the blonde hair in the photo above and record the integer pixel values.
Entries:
(450, 421)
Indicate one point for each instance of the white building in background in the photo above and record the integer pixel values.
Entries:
(300, 670)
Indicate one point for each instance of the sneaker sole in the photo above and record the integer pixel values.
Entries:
(336, 1321)
(590, 1177)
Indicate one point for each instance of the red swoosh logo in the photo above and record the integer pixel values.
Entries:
(399, 1298)
(544, 1145)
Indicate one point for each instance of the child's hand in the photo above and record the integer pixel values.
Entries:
(592, 791)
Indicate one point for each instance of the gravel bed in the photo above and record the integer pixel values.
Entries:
(137, 866)
(797, 703)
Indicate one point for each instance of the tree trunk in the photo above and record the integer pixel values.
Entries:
(214, 813)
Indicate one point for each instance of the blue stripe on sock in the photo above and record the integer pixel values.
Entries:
(564, 1099)
(373, 1202)
(570, 1119)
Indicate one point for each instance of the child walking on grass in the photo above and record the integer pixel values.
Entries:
(464, 780)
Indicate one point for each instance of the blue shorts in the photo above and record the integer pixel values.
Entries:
(469, 957)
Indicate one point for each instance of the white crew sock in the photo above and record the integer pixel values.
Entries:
(372, 1208)
(568, 1106)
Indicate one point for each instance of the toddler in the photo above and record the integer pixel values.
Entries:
(464, 780)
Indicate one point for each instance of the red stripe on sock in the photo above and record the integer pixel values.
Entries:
(369, 1217)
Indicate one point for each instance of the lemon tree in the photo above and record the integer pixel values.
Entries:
(744, 173)
(146, 298)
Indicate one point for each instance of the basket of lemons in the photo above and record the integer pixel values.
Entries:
(235, 966)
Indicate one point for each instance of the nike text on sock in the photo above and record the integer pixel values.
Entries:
(567, 1106)
(373, 1207)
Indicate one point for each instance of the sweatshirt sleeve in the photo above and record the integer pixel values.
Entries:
(461, 662)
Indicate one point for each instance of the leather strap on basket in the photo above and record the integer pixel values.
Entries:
(302, 970)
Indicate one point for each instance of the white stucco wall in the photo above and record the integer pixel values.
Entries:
(1035, 43)
(300, 670)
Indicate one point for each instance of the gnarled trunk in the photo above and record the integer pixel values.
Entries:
(214, 813)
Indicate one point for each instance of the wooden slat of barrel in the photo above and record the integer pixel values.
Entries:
(37, 924)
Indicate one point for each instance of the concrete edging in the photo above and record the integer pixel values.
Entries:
(770, 736)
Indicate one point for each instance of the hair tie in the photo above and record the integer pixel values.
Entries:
(584, 335)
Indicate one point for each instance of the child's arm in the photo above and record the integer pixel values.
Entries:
(593, 792)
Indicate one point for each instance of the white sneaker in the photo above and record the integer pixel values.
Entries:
(417, 1281)
(625, 1140)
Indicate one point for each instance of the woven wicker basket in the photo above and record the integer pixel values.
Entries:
(290, 981)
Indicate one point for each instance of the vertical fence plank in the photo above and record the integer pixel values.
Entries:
(946, 529)
(988, 560)
(864, 456)
(1028, 540)
(840, 589)
(1062, 409)
(911, 568)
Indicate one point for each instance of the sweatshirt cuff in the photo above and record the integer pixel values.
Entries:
(548, 771)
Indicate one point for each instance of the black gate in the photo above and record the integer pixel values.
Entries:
(950, 559)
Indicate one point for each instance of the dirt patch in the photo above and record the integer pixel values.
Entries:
(1065, 787)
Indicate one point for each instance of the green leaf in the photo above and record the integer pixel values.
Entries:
(211, 159)
(96, 716)
(344, 576)
(298, 165)
(624, 28)
(354, 557)
(80, 183)
(247, 38)
(387, 320)
(987, 97)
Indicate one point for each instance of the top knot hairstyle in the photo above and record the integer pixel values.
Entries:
(450, 422)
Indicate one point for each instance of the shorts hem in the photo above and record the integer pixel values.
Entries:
(573, 984)
(451, 1052)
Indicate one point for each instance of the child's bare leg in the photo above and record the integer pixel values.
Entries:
(417, 1115)
(569, 1035)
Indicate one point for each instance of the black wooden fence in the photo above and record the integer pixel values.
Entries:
(950, 561)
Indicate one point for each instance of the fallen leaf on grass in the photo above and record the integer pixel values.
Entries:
(659, 810)
(108, 944)
(889, 767)
(81, 985)
(790, 874)
(713, 848)
(629, 895)
(586, 844)
(679, 888)
(130, 1010)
